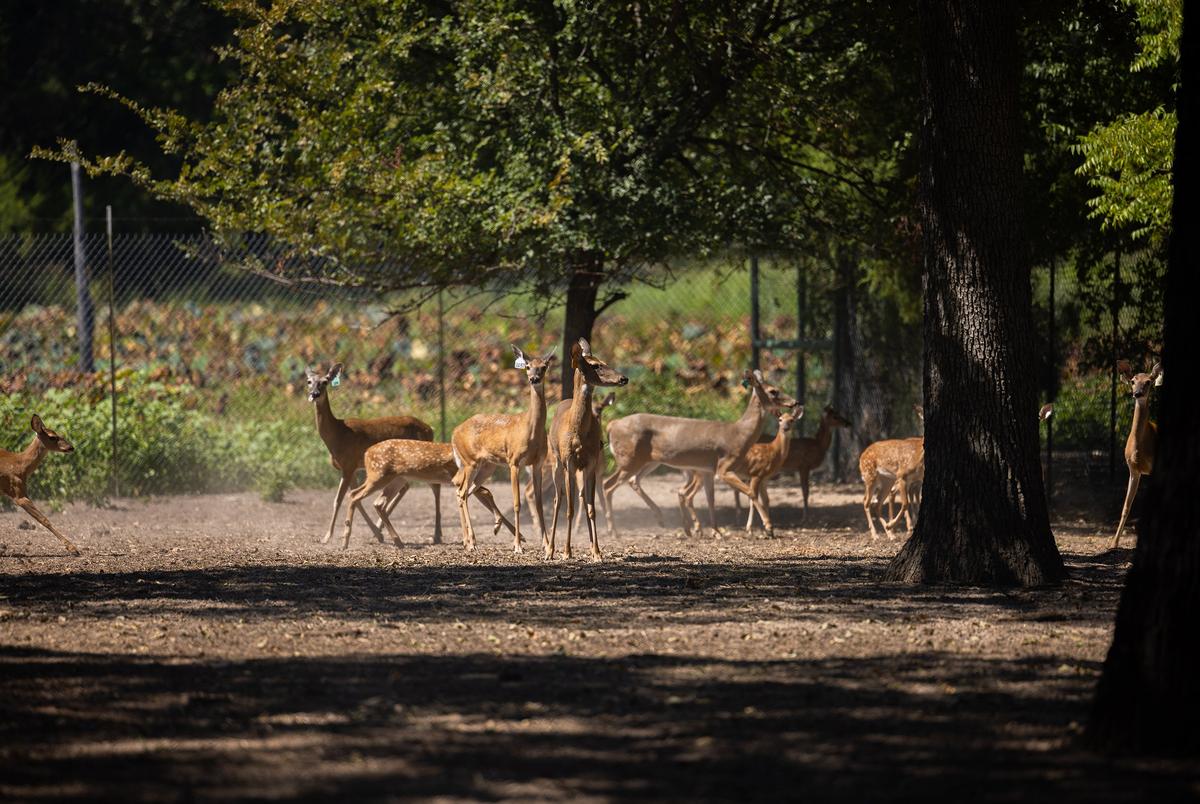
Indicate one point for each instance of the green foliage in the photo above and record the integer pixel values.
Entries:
(1129, 160)
(165, 444)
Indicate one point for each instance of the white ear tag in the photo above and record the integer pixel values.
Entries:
(336, 381)
(519, 363)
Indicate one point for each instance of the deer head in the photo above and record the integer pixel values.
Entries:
(50, 439)
(771, 397)
(1139, 384)
(318, 381)
(595, 371)
(788, 417)
(833, 418)
(535, 367)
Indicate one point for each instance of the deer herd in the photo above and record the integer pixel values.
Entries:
(398, 450)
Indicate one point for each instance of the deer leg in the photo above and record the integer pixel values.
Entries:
(539, 518)
(636, 484)
(804, 491)
(514, 475)
(710, 498)
(384, 505)
(899, 489)
(557, 478)
(436, 488)
(689, 481)
(731, 479)
(597, 479)
(343, 485)
(32, 510)
(464, 479)
(589, 508)
(737, 504)
(868, 492)
(369, 487)
(750, 513)
(1135, 477)
(489, 502)
(569, 473)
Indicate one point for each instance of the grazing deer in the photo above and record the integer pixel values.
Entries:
(348, 440)
(1143, 434)
(393, 464)
(487, 440)
(16, 468)
(807, 453)
(576, 449)
(645, 440)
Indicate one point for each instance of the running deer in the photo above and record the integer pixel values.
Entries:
(17, 467)
(643, 441)
(487, 440)
(1143, 434)
(807, 453)
(393, 464)
(348, 440)
(576, 449)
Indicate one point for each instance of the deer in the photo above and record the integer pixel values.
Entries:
(807, 453)
(643, 441)
(393, 464)
(1142, 442)
(893, 462)
(348, 440)
(17, 467)
(598, 408)
(487, 440)
(576, 449)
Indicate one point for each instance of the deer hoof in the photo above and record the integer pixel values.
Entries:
(73, 550)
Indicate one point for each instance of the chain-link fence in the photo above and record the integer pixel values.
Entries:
(210, 358)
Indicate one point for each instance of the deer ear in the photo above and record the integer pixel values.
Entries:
(1124, 369)
(758, 376)
(309, 373)
(1156, 373)
(334, 371)
(608, 400)
(584, 346)
(550, 358)
(578, 350)
(36, 424)
(797, 411)
(1046, 412)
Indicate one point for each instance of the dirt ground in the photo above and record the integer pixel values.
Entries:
(209, 648)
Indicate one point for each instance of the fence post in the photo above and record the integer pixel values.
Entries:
(84, 314)
(1112, 367)
(754, 333)
(112, 347)
(801, 302)
(442, 364)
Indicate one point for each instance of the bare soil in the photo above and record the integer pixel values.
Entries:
(209, 648)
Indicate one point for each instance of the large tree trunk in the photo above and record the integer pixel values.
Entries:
(580, 315)
(983, 517)
(1148, 700)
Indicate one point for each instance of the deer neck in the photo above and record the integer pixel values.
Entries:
(537, 413)
(824, 436)
(329, 427)
(750, 426)
(581, 404)
(1141, 421)
(31, 457)
(783, 443)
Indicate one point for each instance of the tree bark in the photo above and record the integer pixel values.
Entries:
(983, 517)
(580, 316)
(1148, 700)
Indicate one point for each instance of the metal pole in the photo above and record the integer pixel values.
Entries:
(1053, 392)
(1112, 362)
(801, 301)
(112, 346)
(84, 314)
(754, 334)
(442, 363)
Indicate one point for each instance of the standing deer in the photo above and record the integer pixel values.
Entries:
(487, 440)
(1143, 434)
(598, 408)
(393, 464)
(807, 453)
(17, 467)
(576, 449)
(894, 462)
(348, 439)
(645, 440)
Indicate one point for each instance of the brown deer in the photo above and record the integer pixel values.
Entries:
(884, 464)
(348, 439)
(807, 453)
(1143, 434)
(576, 449)
(17, 467)
(487, 440)
(643, 441)
(393, 464)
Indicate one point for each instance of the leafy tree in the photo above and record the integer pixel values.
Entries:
(559, 149)
(983, 513)
(1147, 700)
(1129, 160)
